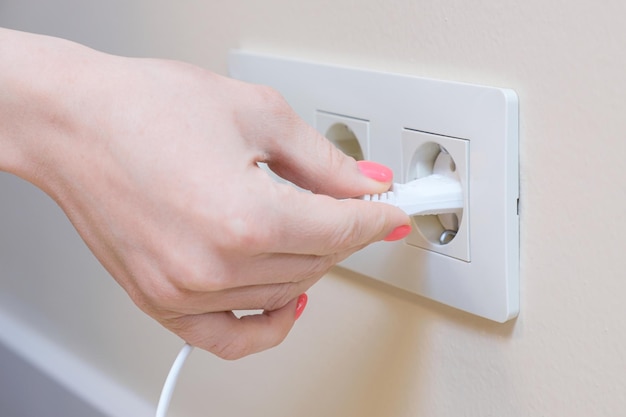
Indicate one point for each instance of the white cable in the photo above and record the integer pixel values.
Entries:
(170, 381)
(433, 194)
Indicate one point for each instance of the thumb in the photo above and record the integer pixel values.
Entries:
(309, 160)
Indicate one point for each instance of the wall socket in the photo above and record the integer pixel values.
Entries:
(349, 134)
(416, 126)
(427, 153)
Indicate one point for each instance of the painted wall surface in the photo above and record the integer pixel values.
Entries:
(362, 349)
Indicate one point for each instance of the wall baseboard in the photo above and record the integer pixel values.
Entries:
(42, 378)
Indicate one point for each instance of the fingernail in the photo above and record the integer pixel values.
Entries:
(398, 233)
(302, 300)
(375, 171)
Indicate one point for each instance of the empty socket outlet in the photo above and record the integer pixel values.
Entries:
(349, 134)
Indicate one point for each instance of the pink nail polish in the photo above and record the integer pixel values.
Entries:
(302, 300)
(375, 171)
(398, 233)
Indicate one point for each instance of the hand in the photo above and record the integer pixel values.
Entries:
(156, 165)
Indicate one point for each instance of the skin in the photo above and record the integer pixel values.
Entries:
(155, 164)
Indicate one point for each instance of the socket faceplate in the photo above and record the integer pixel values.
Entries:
(484, 118)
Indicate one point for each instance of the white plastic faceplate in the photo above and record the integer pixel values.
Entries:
(486, 117)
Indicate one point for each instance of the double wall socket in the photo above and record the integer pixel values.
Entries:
(468, 259)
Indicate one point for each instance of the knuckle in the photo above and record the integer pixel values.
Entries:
(365, 227)
(205, 274)
(163, 295)
(243, 233)
(261, 109)
(348, 237)
(265, 100)
(234, 348)
(271, 111)
(205, 283)
(159, 300)
(316, 267)
(229, 345)
(271, 99)
(280, 296)
(244, 344)
(332, 260)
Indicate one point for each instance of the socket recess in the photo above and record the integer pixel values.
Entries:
(349, 134)
(469, 259)
(424, 154)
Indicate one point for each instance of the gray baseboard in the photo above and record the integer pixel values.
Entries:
(41, 377)
(27, 392)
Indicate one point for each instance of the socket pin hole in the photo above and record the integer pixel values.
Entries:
(428, 159)
(446, 237)
(345, 139)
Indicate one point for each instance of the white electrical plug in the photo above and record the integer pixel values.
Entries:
(433, 194)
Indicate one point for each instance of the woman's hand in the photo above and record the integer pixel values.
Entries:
(156, 165)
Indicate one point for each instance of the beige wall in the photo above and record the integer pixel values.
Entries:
(362, 349)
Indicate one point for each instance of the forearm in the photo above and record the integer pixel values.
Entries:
(39, 80)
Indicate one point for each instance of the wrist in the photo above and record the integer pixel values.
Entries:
(40, 79)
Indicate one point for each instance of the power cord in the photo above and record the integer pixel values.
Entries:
(170, 381)
(433, 194)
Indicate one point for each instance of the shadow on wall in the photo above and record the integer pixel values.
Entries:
(445, 312)
(388, 363)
